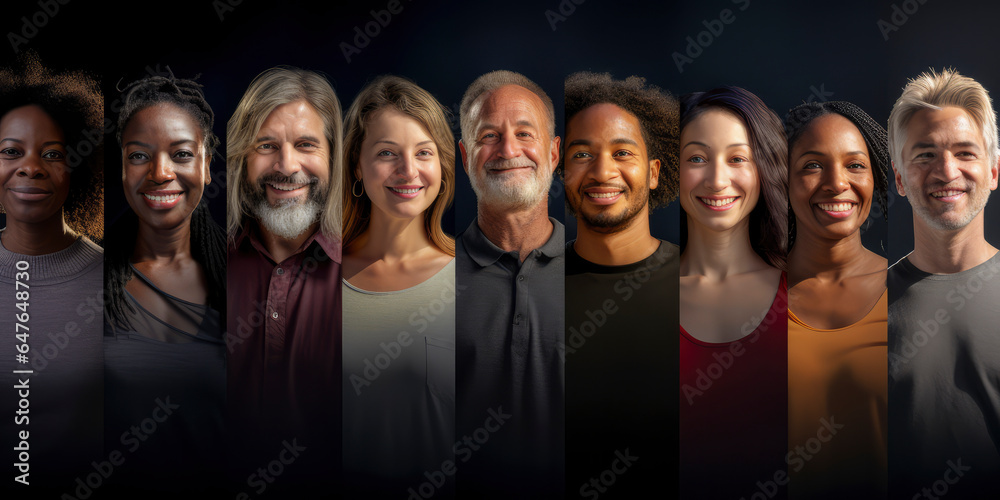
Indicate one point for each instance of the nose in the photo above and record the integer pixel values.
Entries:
(602, 169)
(162, 170)
(32, 168)
(407, 167)
(288, 162)
(509, 148)
(947, 169)
(835, 180)
(717, 176)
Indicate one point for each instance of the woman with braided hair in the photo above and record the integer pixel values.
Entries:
(165, 303)
(838, 162)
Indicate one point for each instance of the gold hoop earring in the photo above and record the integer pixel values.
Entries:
(354, 189)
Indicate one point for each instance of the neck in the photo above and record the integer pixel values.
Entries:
(163, 244)
(520, 232)
(625, 246)
(38, 238)
(949, 251)
(833, 259)
(388, 238)
(717, 254)
(282, 248)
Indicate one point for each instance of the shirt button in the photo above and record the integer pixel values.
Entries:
(520, 278)
(280, 271)
(274, 314)
(517, 319)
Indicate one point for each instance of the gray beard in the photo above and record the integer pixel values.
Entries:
(288, 220)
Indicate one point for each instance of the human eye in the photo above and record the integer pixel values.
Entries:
(425, 153)
(738, 159)
(266, 148)
(489, 138)
(697, 159)
(525, 135)
(183, 154)
(12, 152)
(812, 165)
(857, 166)
(138, 156)
(53, 154)
(385, 153)
(581, 155)
(623, 153)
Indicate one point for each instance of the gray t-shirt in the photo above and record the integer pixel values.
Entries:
(398, 385)
(64, 304)
(944, 379)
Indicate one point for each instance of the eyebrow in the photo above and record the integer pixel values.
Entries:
(138, 143)
(932, 145)
(820, 153)
(11, 139)
(522, 123)
(387, 141)
(702, 144)
(619, 140)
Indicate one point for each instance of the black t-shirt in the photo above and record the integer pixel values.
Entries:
(621, 375)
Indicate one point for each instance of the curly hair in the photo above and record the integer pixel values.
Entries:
(208, 241)
(656, 109)
(769, 219)
(74, 101)
(876, 138)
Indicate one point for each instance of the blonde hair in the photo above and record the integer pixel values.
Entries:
(406, 97)
(933, 90)
(270, 89)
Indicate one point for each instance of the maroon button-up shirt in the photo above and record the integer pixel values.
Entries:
(284, 322)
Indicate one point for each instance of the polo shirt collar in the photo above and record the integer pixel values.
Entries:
(485, 253)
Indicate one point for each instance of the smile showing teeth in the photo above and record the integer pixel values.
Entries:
(835, 207)
(169, 197)
(604, 195)
(717, 203)
(943, 194)
(405, 191)
(285, 187)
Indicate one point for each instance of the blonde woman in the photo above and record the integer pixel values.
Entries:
(399, 289)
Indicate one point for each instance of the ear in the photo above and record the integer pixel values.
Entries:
(555, 152)
(357, 173)
(465, 160)
(654, 174)
(993, 175)
(208, 169)
(899, 180)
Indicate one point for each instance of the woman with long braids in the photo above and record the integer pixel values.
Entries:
(733, 357)
(399, 179)
(165, 304)
(51, 273)
(838, 159)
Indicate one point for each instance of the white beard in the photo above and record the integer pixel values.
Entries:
(289, 219)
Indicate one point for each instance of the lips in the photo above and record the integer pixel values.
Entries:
(405, 192)
(719, 203)
(287, 186)
(947, 195)
(30, 193)
(161, 199)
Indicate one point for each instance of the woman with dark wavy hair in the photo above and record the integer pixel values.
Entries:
(165, 305)
(838, 159)
(51, 269)
(733, 180)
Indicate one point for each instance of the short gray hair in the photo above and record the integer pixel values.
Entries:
(933, 90)
(486, 84)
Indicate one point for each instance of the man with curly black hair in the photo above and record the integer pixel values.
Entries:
(620, 161)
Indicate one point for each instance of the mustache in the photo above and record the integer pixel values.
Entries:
(509, 163)
(279, 178)
(620, 187)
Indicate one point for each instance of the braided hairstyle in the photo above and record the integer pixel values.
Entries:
(74, 101)
(875, 136)
(208, 241)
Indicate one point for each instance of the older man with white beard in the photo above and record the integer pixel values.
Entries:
(510, 264)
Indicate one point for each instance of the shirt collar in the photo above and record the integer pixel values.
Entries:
(485, 253)
(248, 236)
